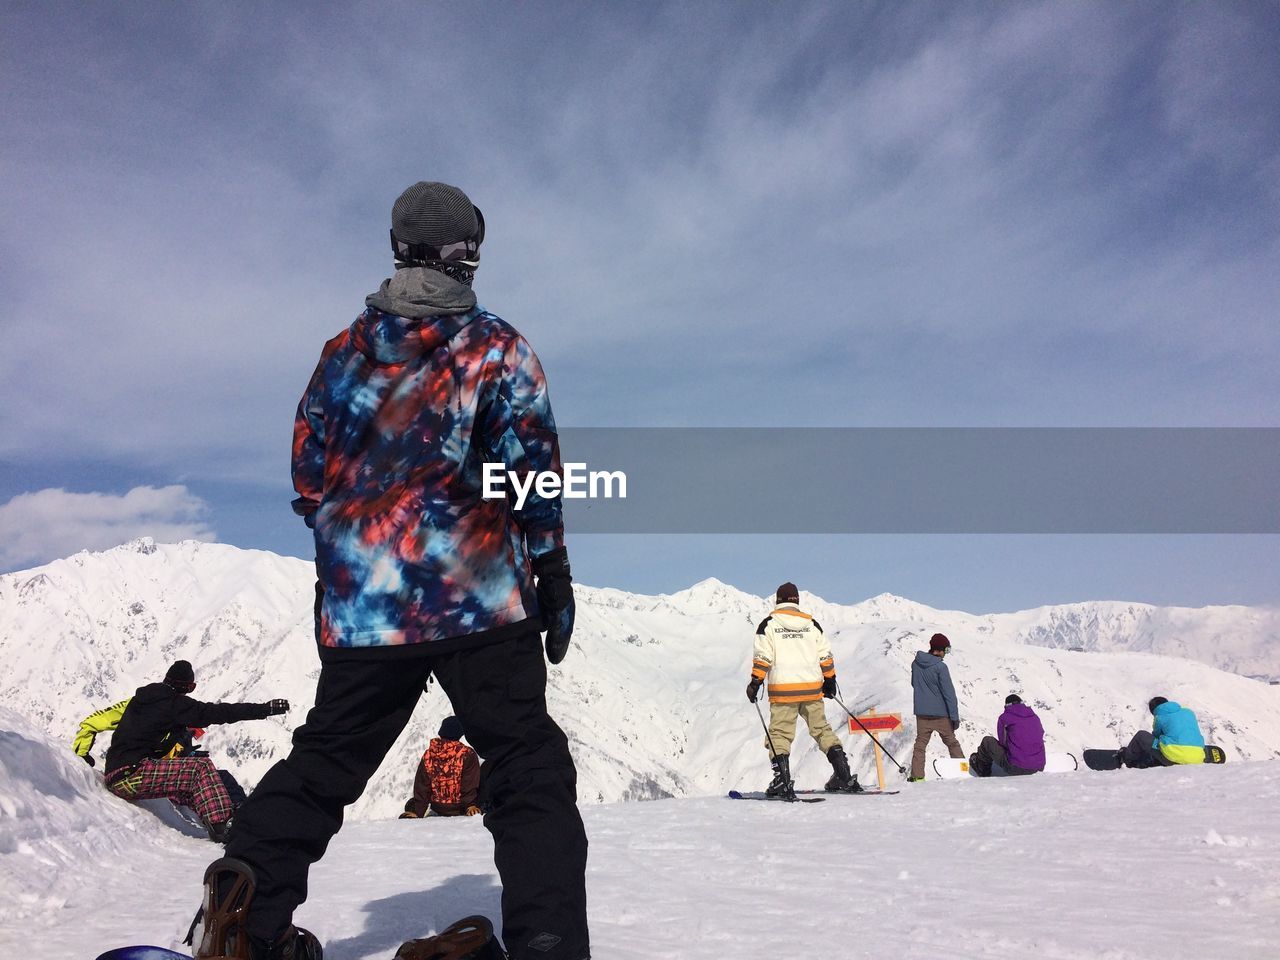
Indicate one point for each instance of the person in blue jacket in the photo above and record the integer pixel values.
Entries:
(935, 705)
(1174, 738)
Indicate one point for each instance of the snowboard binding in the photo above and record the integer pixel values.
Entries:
(229, 885)
(471, 938)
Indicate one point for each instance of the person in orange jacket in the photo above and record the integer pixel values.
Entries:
(448, 779)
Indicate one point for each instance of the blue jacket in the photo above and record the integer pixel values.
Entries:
(389, 441)
(931, 684)
(1175, 726)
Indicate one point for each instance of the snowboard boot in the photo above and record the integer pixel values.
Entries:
(471, 938)
(781, 785)
(228, 890)
(842, 781)
(219, 832)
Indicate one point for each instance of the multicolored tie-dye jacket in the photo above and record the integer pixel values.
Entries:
(389, 442)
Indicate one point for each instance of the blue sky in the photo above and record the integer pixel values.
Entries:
(1061, 214)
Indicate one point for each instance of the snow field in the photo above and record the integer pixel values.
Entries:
(1132, 865)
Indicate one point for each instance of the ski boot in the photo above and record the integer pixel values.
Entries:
(471, 938)
(228, 890)
(842, 781)
(781, 785)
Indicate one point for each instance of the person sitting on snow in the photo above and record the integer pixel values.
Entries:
(179, 741)
(448, 778)
(1174, 738)
(791, 650)
(1018, 746)
(138, 765)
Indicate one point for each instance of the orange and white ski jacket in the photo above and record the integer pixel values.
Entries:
(792, 651)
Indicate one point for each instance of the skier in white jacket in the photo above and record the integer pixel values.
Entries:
(792, 652)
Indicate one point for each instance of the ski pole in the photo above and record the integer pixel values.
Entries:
(901, 768)
(773, 753)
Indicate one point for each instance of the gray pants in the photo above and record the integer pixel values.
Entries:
(926, 727)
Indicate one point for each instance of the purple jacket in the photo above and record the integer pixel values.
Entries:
(1020, 733)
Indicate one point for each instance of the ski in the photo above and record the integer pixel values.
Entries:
(760, 795)
(845, 793)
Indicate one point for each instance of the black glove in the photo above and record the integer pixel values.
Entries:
(955, 724)
(277, 706)
(753, 689)
(555, 600)
(830, 688)
(88, 758)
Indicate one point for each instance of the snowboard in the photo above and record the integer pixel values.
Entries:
(761, 795)
(143, 953)
(949, 768)
(1100, 759)
(1106, 759)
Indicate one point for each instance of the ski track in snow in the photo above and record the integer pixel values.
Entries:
(1130, 865)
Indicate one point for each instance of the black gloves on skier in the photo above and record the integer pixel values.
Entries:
(753, 689)
(275, 707)
(830, 688)
(555, 600)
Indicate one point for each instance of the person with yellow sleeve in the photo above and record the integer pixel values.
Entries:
(793, 653)
(1174, 738)
(100, 721)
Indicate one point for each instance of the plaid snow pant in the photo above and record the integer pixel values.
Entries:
(191, 781)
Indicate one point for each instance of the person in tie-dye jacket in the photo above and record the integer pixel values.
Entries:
(419, 574)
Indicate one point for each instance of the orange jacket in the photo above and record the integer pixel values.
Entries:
(448, 779)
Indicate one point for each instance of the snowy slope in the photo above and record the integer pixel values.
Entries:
(1170, 864)
(651, 695)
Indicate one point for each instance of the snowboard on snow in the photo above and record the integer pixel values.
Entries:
(951, 768)
(1101, 760)
(143, 953)
(1106, 759)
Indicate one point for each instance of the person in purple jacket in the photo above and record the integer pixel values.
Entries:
(1018, 746)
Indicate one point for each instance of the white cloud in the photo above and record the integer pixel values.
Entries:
(41, 526)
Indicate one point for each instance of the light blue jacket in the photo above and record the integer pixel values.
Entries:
(931, 684)
(1175, 726)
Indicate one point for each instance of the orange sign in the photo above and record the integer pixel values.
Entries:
(875, 722)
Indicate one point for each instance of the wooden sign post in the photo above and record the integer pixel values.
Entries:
(874, 723)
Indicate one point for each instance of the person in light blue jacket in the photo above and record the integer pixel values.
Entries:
(1174, 738)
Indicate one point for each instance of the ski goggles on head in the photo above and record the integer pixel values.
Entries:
(463, 252)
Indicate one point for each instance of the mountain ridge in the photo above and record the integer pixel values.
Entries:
(651, 695)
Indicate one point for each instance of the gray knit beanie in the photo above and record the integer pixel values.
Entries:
(434, 213)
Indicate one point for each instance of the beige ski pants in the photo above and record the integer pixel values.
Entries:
(782, 726)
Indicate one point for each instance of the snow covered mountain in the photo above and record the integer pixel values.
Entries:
(651, 695)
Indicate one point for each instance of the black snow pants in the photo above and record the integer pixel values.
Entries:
(1141, 752)
(527, 781)
(990, 754)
